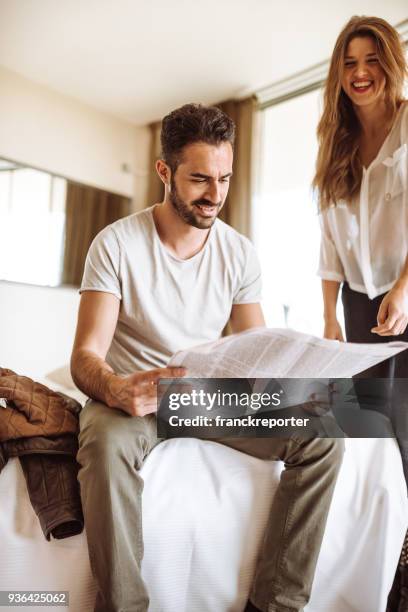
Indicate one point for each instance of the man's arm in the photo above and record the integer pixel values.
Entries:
(135, 394)
(97, 318)
(245, 316)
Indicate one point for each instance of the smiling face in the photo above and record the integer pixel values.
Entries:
(363, 78)
(199, 186)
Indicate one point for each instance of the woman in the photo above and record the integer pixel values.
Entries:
(362, 183)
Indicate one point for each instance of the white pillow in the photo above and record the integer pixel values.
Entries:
(61, 380)
(62, 376)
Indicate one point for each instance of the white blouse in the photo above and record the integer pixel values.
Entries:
(366, 242)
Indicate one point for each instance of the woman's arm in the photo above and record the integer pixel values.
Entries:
(332, 273)
(332, 328)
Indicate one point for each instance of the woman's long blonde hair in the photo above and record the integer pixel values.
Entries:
(338, 167)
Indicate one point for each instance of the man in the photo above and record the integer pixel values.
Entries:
(155, 282)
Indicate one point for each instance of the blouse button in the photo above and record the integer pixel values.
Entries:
(387, 196)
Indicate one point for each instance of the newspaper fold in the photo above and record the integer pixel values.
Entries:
(282, 353)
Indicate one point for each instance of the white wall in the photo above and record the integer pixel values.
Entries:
(53, 132)
(37, 326)
(49, 131)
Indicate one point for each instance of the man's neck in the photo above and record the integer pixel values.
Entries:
(181, 239)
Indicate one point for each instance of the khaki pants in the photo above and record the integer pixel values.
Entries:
(113, 447)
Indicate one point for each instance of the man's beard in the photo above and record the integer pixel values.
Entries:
(188, 212)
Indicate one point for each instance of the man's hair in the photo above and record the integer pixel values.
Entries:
(193, 123)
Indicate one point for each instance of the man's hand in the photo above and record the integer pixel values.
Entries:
(332, 330)
(392, 315)
(137, 394)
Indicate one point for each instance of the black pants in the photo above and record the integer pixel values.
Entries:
(383, 387)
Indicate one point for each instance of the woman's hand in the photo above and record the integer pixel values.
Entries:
(392, 315)
(332, 330)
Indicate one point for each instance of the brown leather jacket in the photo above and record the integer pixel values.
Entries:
(40, 427)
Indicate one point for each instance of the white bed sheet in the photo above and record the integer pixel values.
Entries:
(204, 511)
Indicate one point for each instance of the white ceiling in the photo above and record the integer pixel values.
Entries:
(137, 59)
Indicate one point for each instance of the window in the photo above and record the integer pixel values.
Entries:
(48, 224)
(286, 226)
(32, 218)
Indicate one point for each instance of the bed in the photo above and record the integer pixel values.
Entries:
(204, 506)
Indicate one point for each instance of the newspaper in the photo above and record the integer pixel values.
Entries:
(282, 353)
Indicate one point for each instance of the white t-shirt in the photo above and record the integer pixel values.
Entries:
(168, 304)
(366, 242)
